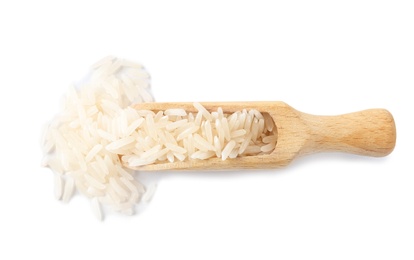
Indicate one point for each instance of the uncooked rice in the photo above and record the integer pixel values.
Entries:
(174, 134)
(96, 127)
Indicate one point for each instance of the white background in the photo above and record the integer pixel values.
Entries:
(321, 57)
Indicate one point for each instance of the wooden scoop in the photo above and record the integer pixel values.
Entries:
(370, 132)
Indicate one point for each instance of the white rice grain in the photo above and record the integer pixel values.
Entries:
(268, 148)
(96, 208)
(255, 129)
(198, 118)
(133, 126)
(180, 156)
(58, 186)
(245, 143)
(208, 131)
(94, 182)
(248, 123)
(237, 133)
(68, 189)
(268, 122)
(190, 141)
(260, 127)
(124, 173)
(176, 124)
(146, 96)
(269, 138)
(175, 148)
(187, 132)
(175, 112)
(170, 157)
(226, 129)
(135, 161)
(217, 146)
(106, 135)
(202, 155)
(202, 109)
(220, 113)
(202, 144)
(151, 151)
(129, 185)
(54, 164)
(96, 149)
(93, 192)
(257, 114)
(232, 121)
(118, 188)
(119, 143)
(234, 153)
(220, 131)
(252, 149)
(227, 150)
(149, 193)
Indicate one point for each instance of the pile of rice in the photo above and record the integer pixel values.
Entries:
(96, 127)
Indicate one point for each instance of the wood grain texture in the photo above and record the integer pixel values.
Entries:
(370, 132)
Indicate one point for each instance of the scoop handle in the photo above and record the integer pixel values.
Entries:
(370, 132)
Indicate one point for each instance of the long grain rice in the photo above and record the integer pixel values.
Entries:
(58, 186)
(149, 193)
(68, 189)
(97, 130)
(227, 150)
(96, 208)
